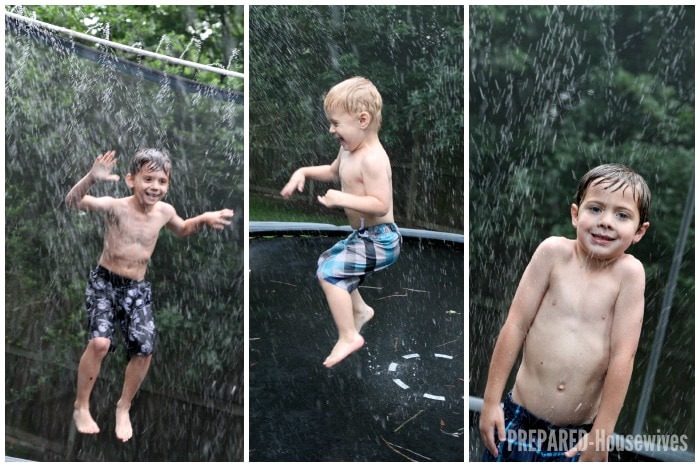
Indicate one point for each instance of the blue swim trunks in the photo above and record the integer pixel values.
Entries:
(532, 439)
(364, 251)
(111, 299)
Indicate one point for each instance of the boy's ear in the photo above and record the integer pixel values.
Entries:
(129, 180)
(574, 215)
(365, 120)
(640, 232)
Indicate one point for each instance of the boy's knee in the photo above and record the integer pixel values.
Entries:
(142, 359)
(99, 346)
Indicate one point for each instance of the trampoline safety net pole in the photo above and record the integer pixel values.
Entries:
(126, 48)
(665, 311)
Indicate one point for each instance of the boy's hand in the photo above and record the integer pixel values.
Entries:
(492, 419)
(219, 219)
(102, 167)
(295, 183)
(589, 451)
(330, 199)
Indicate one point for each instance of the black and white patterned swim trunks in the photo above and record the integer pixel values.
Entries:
(111, 299)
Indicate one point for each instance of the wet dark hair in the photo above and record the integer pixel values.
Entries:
(618, 176)
(153, 159)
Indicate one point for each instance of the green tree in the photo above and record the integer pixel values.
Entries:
(206, 34)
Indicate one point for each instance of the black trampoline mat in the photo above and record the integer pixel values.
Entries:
(355, 411)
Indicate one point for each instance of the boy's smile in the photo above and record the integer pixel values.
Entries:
(602, 239)
(607, 222)
(149, 186)
(345, 128)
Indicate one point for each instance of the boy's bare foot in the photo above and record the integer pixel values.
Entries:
(342, 349)
(84, 421)
(361, 317)
(123, 429)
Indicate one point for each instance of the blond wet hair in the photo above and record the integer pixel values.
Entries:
(356, 95)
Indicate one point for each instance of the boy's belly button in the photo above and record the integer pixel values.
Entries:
(561, 386)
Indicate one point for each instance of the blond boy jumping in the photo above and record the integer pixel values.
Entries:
(353, 108)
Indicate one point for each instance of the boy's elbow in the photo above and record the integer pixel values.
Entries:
(383, 209)
(182, 232)
(188, 228)
(72, 202)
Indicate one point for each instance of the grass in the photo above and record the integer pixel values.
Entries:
(264, 208)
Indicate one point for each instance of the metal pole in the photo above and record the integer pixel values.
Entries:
(665, 310)
(115, 45)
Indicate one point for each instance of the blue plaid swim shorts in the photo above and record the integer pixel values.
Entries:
(532, 439)
(364, 251)
(111, 299)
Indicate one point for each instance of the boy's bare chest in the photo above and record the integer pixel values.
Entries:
(580, 295)
(127, 228)
(350, 171)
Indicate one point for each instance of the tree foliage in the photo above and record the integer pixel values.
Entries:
(205, 34)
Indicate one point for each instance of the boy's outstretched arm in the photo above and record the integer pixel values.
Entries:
(214, 219)
(101, 170)
(321, 173)
(624, 339)
(523, 309)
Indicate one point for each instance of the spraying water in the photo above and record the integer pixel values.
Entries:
(67, 103)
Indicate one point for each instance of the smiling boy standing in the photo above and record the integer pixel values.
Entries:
(577, 315)
(354, 110)
(117, 292)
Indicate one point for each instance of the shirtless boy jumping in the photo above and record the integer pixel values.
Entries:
(116, 293)
(353, 108)
(577, 315)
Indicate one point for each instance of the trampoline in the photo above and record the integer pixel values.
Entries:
(400, 397)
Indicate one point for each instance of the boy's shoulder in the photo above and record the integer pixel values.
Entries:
(165, 206)
(554, 250)
(559, 245)
(375, 155)
(629, 265)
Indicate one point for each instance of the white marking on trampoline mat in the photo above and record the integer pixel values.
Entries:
(393, 367)
(400, 383)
